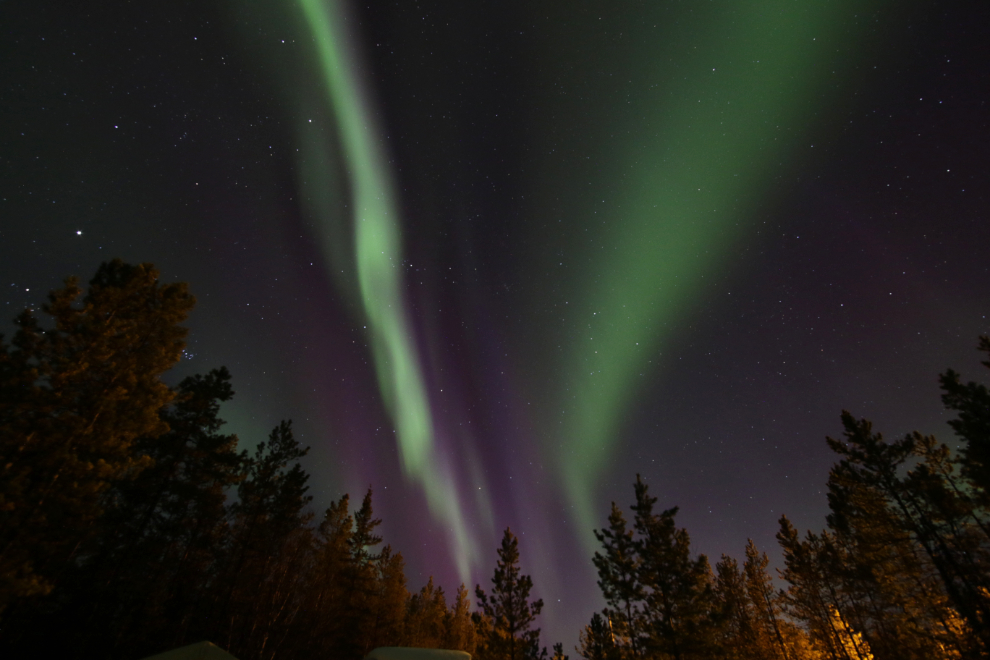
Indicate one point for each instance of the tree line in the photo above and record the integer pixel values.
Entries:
(131, 524)
(901, 572)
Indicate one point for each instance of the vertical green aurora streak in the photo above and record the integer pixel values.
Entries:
(377, 245)
(736, 92)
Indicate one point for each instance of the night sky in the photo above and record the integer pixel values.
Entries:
(494, 259)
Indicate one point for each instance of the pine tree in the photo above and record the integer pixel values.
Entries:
(596, 642)
(326, 603)
(73, 400)
(765, 603)
(364, 536)
(913, 475)
(660, 600)
(352, 599)
(336, 591)
(460, 632)
(972, 403)
(809, 595)
(512, 615)
(618, 578)
(678, 604)
(899, 602)
(269, 511)
(734, 613)
(388, 601)
(426, 618)
(162, 531)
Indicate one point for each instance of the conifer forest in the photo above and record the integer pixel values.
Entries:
(521, 329)
(130, 523)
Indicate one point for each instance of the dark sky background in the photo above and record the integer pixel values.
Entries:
(760, 215)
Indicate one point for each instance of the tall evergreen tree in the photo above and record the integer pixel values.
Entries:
(512, 615)
(894, 592)
(736, 630)
(73, 399)
(460, 632)
(161, 532)
(364, 537)
(911, 475)
(811, 594)
(336, 597)
(661, 598)
(678, 604)
(324, 615)
(618, 577)
(388, 603)
(270, 509)
(971, 402)
(767, 612)
(596, 642)
(426, 618)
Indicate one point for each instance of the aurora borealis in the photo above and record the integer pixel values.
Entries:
(494, 260)
(377, 250)
(692, 165)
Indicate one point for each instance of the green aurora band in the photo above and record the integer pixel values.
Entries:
(738, 87)
(377, 245)
(735, 92)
